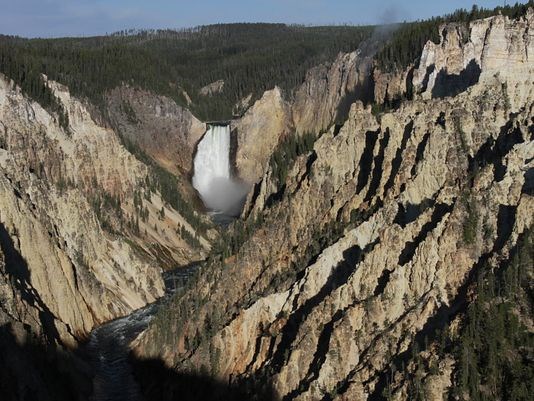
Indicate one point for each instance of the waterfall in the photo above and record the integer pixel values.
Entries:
(212, 178)
(212, 160)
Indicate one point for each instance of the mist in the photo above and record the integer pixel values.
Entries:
(225, 196)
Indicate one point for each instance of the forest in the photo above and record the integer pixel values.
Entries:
(249, 58)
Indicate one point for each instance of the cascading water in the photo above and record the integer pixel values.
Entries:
(212, 178)
(212, 160)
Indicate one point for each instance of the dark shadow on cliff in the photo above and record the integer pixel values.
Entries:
(159, 383)
(452, 85)
(33, 371)
(446, 313)
(34, 366)
(19, 275)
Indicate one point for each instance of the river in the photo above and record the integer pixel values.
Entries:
(109, 345)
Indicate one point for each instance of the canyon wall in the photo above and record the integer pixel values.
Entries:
(75, 255)
(370, 246)
(323, 99)
(494, 46)
(156, 124)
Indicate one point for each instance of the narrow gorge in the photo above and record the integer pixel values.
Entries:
(270, 212)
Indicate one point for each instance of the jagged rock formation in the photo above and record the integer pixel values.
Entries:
(371, 243)
(329, 90)
(70, 260)
(495, 45)
(390, 86)
(323, 99)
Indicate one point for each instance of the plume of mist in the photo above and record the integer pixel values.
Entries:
(225, 195)
(388, 22)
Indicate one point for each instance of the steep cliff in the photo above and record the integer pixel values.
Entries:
(372, 244)
(77, 235)
(329, 90)
(465, 54)
(157, 125)
(323, 99)
(494, 45)
(391, 87)
(258, 133)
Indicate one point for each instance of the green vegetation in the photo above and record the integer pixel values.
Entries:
(188, 237)
(495, 348)
(286, 152)
(168, 186)
(470, 226)
(27, 73)
(106, 207)
(250, 58)
(235, 236)
(406, 45)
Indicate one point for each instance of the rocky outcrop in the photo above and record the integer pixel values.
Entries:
(322, 100)
(328, 91)
(369, 244)
(258, 132)
(464, 56)
(495, 45)
(212, 89)
(157, 125)
(242, 106)
(391, 87)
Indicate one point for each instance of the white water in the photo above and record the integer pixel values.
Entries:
(212, 178)
(212, 160)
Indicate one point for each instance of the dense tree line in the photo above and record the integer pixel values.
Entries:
(407, 43)
(495, 348)
(494, 345)
(250, 58)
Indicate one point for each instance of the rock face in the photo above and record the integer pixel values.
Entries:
(328, 91)
(391, 87)
(323, 99)
(72, 255)
(157, 125)
(258, 132)
(463, 57)
(368, 245)
(213, 88)
(495, 45)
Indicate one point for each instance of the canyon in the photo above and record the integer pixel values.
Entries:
(374, 254)
(357, 233)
